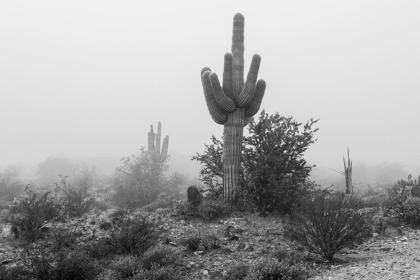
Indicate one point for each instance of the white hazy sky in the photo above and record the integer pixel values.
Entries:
(88, 78)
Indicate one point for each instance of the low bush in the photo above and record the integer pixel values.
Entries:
(160, 256)
(210, 210)
(211, 241)
(162, 201)
(97, 249)
(125, 267)
(133, 236)
(327, 223)
(237, 272)
(404, 201)
(28, 215)
(74, 200)
(192, 243)
(62, 238)
(19, 272)
(158, 273)
(271, 268)
(65, 265)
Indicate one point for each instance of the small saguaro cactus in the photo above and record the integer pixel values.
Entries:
(194, 196)
(154, 147)
(233, 104)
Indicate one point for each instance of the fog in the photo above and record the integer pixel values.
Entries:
(87, 78)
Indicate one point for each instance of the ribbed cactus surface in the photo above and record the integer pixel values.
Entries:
(233, 102)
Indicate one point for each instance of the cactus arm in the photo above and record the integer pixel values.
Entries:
(227, 76)
(217, 114)
(151, 139)
(224, 102)
(165, 145)
(248, 90)
(238, 54)
(255, 104)
(158, 137)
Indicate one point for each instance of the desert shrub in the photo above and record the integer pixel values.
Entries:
(411, 209)
(140, 179)
(125, 267)
(210, 210)
(65, 265)
(10, 184)
(162, 201)
(62, 238)
(274, 173)
(192, 243)
(75, 201)
(291, 257)
(18, 272)
(237, 272)
(404, 202)
(211, 241)
(327, 223)
(270, 268)
(97, 249)
(160, 256)
(133, 236)
(28, 215)
(158, 273)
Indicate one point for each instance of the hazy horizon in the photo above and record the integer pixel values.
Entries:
(88, 78)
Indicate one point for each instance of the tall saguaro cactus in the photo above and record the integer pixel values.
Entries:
(233, 103)
(154, 147)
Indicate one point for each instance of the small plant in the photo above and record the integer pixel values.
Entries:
(210, 210)
(64, 265)
(327, 223)
(125, 267)
(62, 238)
(192, 243)
(19, 272)
(404, 202)
(160, 256)
(272, 269)
(97, 249)
(27, 216)
(133, 236)
(75, 200)
(237, 272)
(289, 256)
(158, 273)
(211, 242)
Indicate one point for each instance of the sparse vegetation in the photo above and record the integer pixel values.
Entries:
(328, 222)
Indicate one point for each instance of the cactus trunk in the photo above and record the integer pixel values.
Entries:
(232, 104)
(232, 150)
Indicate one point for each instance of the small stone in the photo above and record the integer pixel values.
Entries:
(385, 249)
(240, 247)
(205, 272)
(375, 234)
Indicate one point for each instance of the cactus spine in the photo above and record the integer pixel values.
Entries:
(154, 147)
(233, 103)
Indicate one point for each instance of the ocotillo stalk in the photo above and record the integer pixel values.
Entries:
(233, 103)
(154, 148)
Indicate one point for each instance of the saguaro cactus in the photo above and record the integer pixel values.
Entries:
(233, 104)
(154, 147)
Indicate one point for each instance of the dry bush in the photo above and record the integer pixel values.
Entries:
(327, 223)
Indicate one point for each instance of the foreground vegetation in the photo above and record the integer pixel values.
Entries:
(148, 225)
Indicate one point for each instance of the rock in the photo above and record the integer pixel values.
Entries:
(240, 247)
(385, 249)
(198, 253)
(205, 272)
